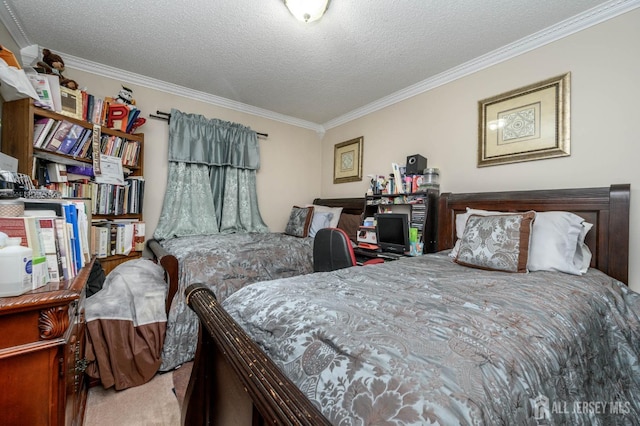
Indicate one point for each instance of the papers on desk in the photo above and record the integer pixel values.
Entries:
(111, 168)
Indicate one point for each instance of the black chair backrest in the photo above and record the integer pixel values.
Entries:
(332, 250)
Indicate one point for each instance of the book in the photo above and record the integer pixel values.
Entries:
(86, 99)
(54, 85)
(124, 237)
(57, 172)
(65, 248)
(24, 227)
(71, 216)
(78, 141)
(84, 140)
(138, 236)
(46, 138)
(113, 239)
(61, 132)
(41, 84)
(101, 235)
(51, 248)
(83, 229)
(41, 128)
(97, 111)
(133, 115)
(70, 139)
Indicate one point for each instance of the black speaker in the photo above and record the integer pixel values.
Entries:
(415, 164)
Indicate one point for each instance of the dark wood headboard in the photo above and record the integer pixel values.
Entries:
(606, 208)
(349, 205)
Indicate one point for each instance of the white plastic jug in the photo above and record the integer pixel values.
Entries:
(15, 266)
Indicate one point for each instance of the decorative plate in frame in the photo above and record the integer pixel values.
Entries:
(347, 161)
(529, 123)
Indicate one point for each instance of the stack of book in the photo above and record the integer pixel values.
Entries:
(111, 199)
(116, 237)
(57, 231)
(65, 137)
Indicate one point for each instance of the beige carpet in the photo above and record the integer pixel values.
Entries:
(152, 404)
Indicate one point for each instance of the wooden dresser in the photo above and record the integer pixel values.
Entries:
(42, 363)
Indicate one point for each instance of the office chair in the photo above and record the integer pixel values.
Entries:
(332, 250)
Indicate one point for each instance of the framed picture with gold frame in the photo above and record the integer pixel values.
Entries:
(71, 103)
(529, 123)
(347, 161)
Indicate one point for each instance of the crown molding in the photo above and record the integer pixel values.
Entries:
(174, 89)
(563, 29)
(10, 21)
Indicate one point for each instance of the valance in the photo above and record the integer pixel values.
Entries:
(194, 138)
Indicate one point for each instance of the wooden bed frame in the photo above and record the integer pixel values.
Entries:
(606, 208)
(232, 379)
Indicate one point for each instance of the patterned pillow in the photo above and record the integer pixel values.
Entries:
(499, 243)
(299, 221)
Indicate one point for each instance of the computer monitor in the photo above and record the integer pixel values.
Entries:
(392, 232)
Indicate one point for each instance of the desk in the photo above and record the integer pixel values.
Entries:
(363, 255)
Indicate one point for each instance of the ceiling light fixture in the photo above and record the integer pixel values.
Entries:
(307, 10)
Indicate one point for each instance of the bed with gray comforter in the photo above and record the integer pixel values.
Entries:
(226, 263)
(426, 341)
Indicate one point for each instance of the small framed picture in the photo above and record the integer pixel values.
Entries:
(347, 161)
(71, 103)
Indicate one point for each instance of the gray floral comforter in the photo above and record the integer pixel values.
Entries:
(226, 263)
(425, 341)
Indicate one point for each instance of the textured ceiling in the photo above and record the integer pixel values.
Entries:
(255, 53)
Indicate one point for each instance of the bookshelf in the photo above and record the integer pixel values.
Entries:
(421, 207)
(18, 123)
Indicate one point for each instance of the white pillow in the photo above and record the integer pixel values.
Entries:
(324, 209)
(320, 220)
(557, 241)
(583, 254)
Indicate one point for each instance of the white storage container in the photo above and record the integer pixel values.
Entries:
(15, 267)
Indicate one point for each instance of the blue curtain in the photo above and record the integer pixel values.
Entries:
(211, 186)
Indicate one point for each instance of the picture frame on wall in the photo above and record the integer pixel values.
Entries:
(71, 103)
(525, 124)
(347, 161)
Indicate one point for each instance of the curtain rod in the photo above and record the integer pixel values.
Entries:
(166, 117)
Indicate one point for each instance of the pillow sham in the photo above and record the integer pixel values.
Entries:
(324, 209)
(320, 220)
(350, 223)
(557, 243)
(461, 221)
(299, 221)
(496, 242)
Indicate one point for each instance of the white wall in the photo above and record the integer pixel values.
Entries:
(442, 124)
